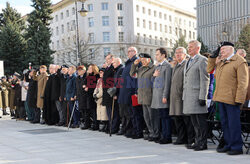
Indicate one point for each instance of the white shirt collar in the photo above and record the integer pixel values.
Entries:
(162, 62)
(230, 57)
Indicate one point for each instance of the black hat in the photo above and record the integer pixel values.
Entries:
(65, 66)
(17, 75)
(144, 55)
(226, 44)
(4, 77)
(102, 69)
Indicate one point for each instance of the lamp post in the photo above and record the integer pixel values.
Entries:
(83, 13)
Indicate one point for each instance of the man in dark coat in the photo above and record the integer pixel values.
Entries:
(81, 97)
(51, 95)
(63, 77)
(32, 94)
(131, 117)
(118, 68)
(70, 96)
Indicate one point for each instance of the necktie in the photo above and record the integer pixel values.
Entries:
(189, 62)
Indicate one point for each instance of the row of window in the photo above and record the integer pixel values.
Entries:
(161, 16)
(105, 21)
(104, 6)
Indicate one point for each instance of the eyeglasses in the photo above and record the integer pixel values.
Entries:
(131, 50)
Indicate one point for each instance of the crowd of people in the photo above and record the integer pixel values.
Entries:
(140, 98)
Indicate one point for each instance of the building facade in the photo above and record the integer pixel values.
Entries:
(221, 20)
(111, 26)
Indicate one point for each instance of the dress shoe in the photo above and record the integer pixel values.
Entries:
(35, 122)
(74, 126)
(191, 146)
(150, 139)
(129, 135)
(137, 136)
(120, 132)
(235, 152)
(222, 150)
(165, 141)
(200, 148)
(85, 126)
(178, 143)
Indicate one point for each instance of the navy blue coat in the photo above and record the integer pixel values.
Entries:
(117, 79)
(70, 87)
(128, 84)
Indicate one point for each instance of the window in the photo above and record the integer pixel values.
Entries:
(155, 26)
(150, 39)
(91, 22)
(160, 27)
(143, 10)
(166, 28)
(120, 6)
(105, 21)
(57, 31)
(138, 22)
(165, 16)
(73, 25)
(57, 18)
(73, 11)
(144, 38)
(180, 21)
(105, 6)
(156, 40)
(155, 13)
(189, 23)
(62, 29)
(144, 23)
(149, 11)
(52, 32)
(166, 42)
(68, 40)
(61, 15)
(122, 52)
(57, 44)
(150, 25)
(138, 37)
(106, 51)
(67, 13)
(91, 53)
(170, 30)
(91, 38)
(170, 18)
(180, 32)
(171, 43)
(90, 7)
(68, 27)
(176, 31)
(120, 21)
(185, 33)
(190, 35)
(193, 35)
(121, 36)
(160, 15)
(137, 8)
(106, 36)
(161, 41)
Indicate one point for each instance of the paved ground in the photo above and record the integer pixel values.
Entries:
(22, 142)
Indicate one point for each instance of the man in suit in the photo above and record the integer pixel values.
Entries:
(184, 127)
(161, 94)
(195, 90)
(230, 93)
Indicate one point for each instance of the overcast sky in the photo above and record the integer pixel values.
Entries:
(23, 6)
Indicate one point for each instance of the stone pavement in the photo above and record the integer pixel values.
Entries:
(25, 143)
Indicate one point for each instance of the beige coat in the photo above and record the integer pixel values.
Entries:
(101, 110)
(5, 95)
(41, 83)
(231, 80)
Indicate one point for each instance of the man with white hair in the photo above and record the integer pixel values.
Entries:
(242, 52)
(195, 91)
(230, 92)
(184, 127)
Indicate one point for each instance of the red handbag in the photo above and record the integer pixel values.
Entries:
(135, 100)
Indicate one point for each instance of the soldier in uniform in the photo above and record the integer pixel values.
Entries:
(5, 97)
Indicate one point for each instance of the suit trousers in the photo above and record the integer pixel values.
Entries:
(231, 126)
(185, 129)
(199, 122)
(165, 122)
(151, 117)
(116, 117)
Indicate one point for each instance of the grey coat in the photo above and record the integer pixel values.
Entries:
(176, 103)
(144, 75)
(196, 83)
(162, 85)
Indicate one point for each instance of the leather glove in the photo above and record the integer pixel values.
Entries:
(216, 53)
(202, 102)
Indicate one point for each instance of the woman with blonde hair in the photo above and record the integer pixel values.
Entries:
(89, 87)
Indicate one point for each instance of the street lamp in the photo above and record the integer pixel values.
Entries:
(83, 13)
